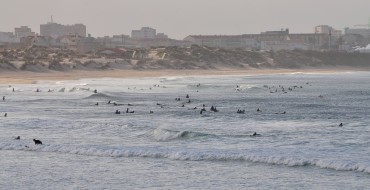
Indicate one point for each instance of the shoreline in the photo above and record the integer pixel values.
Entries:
(26, 77)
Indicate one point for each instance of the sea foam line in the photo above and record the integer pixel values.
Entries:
(189, 155)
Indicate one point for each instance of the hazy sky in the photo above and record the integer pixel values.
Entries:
(179, 18)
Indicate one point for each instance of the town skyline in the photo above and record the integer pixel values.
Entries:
(182, 18)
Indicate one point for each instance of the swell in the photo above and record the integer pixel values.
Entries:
(99, 95)
(160, 134)
(189, 155)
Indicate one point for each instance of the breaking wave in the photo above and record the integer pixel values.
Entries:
(99, 95)
(189, 155)
(72, 89)
(168, 135)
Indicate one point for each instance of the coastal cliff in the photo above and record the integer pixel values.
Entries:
(38, 59)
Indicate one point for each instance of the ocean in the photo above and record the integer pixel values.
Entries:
(165, 142)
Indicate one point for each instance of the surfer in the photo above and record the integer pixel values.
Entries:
(240, 111)
(6, 114)
(17, 138)
(187, 96)
(97, 103)
(3, 98)
(341, 125)
(37, 141)
(255, 134)
(118, 112)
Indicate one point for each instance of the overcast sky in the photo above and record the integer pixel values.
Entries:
(179, 18)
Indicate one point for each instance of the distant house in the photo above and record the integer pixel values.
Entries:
(69, 41)
(40, 41)
(88, 44)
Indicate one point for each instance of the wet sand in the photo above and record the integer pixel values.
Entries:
(25, 77)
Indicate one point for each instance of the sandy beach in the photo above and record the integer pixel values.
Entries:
(25, 77)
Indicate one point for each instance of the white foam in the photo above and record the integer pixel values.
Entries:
(189, 155)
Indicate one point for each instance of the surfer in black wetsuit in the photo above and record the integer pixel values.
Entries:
(255, 134)
(37, 141)
(341, 125)
(3, 98)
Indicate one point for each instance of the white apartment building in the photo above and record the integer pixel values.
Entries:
(325, 29)
(23, 31)
(56, 30)
(144, 33)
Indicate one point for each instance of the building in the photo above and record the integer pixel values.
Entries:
(56, 30)
(357, 36)
(270, 40)
(144, 33)
(23, 31)
(7, 37)
(332, 34)
(69, 41)
(326, 29)
(161, 36)
(40, 41)
(284, 45)
(364, 32)
(223, 41)
(322, 29)
(88, 44)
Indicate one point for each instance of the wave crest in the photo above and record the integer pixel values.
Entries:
(168, 135)
(188, 155)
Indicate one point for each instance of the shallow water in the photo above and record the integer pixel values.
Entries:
(89, 147)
